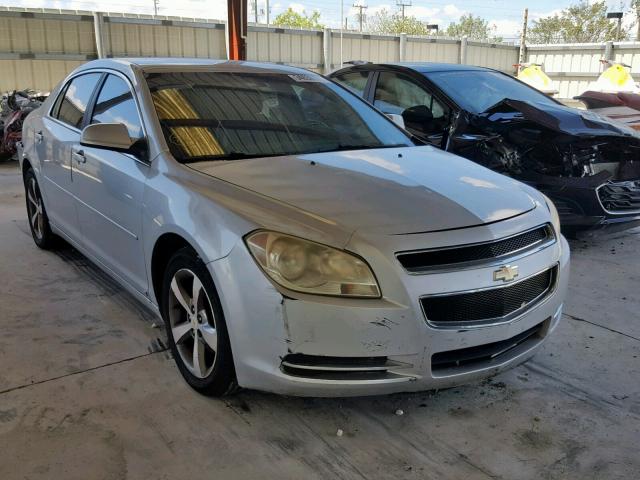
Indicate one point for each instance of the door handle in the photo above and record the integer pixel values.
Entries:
(78, 156)
(39, 137)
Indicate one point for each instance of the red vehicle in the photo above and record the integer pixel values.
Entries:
(14, 109)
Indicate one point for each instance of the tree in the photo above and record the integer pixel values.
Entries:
(582, 23)
(299, 20)
(384, 21)
(476, 28)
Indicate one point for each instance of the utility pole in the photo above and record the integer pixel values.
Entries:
(237, 29)
(619, 29)
(618, 17)
(402, 4)
(156, 3)
(523, 39)
(255, 11)
(635, 4)
(267, 11)
(360, 14)
(341, 32)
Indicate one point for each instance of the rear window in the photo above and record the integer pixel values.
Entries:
(76, 98)
(226, 116)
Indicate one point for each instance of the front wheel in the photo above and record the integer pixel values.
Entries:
(38, 220)
(196, 329)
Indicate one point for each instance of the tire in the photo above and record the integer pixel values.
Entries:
(199, 326)
(37, 213)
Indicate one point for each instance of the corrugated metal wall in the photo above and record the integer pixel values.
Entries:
(39, 47)
(572, 67)
(302, 48)
(178, 39)
(372, 48)
(430, 50)
(500, 57)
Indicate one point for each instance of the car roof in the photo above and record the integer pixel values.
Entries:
(422, 67)
(169, 63)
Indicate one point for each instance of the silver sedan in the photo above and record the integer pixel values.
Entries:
(292, 238)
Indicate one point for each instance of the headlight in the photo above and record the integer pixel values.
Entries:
(310, 267)
(555, 218)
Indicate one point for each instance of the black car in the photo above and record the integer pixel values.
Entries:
(588, 165)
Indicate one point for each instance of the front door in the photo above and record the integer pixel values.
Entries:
(423, 114)
(109, 186)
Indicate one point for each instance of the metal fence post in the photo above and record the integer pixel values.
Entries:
(326, 50)
(403, 47)
(463, 49)
(608, 50)
(98, 25)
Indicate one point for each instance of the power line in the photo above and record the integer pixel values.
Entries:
(402, 4)
(360, 15)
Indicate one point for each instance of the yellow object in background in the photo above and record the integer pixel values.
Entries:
(533, 75)
(616, 78)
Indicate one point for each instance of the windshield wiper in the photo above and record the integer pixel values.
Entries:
(244, 155)
(368, 146)
(230, 156)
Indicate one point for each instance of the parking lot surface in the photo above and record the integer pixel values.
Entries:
(88, 391)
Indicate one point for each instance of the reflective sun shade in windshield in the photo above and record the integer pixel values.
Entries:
(224, 115)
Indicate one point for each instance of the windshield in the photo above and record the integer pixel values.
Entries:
(227, 116)
(477, 91)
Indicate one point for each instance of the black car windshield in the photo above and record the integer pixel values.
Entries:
(477, 91)
(231, 115)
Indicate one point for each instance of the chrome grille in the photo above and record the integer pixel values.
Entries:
(620, 197)
(426, 260)
(488, 305)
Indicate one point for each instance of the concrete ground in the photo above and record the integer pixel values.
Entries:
(88, 392)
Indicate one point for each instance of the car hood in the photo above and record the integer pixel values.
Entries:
(390, 190)
(558, 118)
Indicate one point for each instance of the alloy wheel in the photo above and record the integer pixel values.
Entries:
(35, 210)
(192, 323)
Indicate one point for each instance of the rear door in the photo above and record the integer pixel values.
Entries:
(109, 186)
(60, 131)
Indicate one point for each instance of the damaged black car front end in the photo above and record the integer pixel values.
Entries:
(587, 165)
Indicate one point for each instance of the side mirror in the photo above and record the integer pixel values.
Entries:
(397, 119)
(418, 118)
(114, 136)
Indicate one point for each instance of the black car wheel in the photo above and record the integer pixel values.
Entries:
(37, 214)
(196, 329)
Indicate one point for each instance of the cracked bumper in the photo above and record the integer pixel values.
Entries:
(266, 326)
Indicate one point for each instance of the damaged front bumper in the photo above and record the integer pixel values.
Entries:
(307, 345)
(592, 202)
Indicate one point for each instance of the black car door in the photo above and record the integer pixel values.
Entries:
(423, 113)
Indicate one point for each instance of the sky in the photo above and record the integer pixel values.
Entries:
(504, 16)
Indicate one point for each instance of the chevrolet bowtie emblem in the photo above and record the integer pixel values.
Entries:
(506, 273)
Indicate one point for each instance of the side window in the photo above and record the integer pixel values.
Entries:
(422, 112)
(353, 81)
(115, 104)
(56, 106)
(76, 98)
